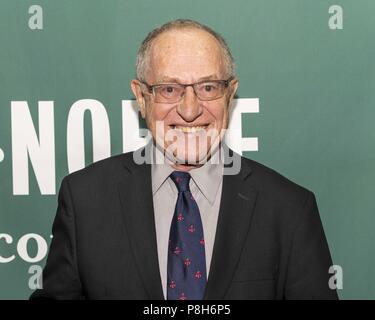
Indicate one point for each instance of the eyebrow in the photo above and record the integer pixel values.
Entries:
(167, 79)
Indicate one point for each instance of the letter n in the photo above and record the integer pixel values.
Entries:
(27, 145)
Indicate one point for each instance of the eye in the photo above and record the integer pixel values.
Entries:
(169, 89)
(209, 87)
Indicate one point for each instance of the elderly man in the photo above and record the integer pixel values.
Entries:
(184, 227)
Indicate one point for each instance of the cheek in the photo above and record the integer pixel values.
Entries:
(219, 114)
(156, 113)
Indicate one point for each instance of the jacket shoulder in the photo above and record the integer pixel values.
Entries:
(275, 185)
(101, 172)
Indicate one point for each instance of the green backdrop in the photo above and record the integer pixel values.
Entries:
(315, 87)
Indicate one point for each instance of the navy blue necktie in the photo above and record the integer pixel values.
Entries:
(186, 252)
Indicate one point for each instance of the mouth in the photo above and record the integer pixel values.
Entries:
(189, 129)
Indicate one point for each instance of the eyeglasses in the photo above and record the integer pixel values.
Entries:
(173, 92)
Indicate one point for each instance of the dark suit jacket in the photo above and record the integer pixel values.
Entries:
(269, 243)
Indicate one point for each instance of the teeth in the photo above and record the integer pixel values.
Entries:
(189, 129)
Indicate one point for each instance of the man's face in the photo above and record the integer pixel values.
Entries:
(185, 56)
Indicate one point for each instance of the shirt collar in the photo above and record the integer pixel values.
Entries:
(207, 177)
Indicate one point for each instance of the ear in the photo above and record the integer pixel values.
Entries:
(137, 91)
(233, 89)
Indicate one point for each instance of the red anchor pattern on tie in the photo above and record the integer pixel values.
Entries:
(187, 262)
(172, 284)
(201, 242)
(191, 228)
(180, 217)
(177, 250)
(198, 275)
(182, 296)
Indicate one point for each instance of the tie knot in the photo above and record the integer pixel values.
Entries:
(181, 180)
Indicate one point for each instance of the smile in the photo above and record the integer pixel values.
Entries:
(189, 129)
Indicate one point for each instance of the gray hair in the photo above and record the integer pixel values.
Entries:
(144, 50)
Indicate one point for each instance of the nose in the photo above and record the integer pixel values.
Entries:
(189, 107)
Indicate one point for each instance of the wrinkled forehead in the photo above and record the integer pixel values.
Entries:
(186, 54)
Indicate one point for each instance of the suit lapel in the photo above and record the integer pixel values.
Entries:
(137, 206)
(237, 204)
